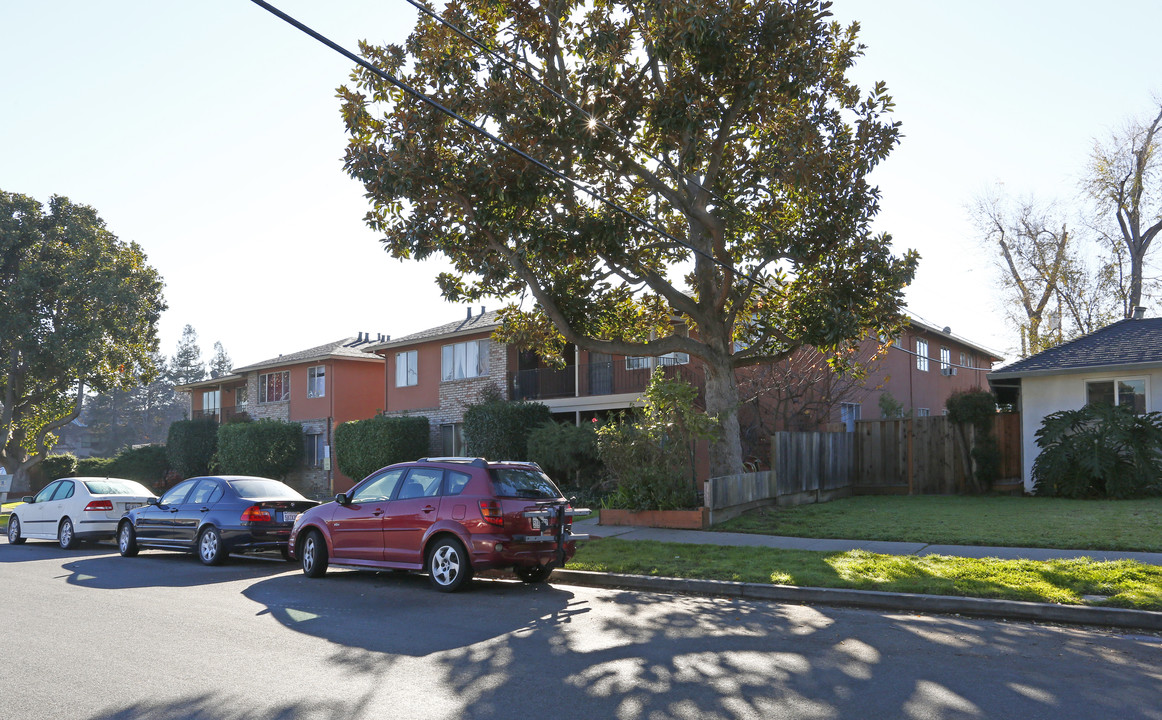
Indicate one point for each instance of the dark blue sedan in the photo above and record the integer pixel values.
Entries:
(215, 516)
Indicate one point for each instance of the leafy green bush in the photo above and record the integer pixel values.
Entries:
(499, 430)
(978, 408)
(266, 448)
(147, 464)
(364, 446)
(95, 467)
(568, 453)
(55, 467)
(1099, 451)
(190, 446)
(650, 455)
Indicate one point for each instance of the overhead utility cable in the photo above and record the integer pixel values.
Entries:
(583, 187)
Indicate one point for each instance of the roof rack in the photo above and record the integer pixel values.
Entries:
(473, 461)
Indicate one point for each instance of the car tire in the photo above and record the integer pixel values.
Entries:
(127, 540)
(14, 537)
(533, 573)
(313, 554)
(448, 565)
(285, 552)
(66, 535)
(211, 549)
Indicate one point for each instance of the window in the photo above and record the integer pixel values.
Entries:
(317, 381)
(922, 412)
(464, 360)
(208, 492)
(945, 359)
(922, 355)
(44, 495)
(674, 358)
(421, 483)
(966, 360)
(455, 482)
(451, 440)
(898, 341)
(377, 488)
(637, 363)
(177, 494)
(274, 387)
(316, 449)
(407, 371)
(1129, 393)
(241, 395)
(848, 414)
(211, 401)
(65, 491)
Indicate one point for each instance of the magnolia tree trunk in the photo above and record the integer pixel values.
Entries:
(722, 401)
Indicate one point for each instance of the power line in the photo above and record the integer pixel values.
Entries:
(583, 187)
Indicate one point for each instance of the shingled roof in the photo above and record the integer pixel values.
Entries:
(485, 321)
(1125, 343)
(350, 347)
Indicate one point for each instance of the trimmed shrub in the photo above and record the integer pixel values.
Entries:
(978, 408)
(55, 467)
(499, 430)
(95, 467)
(146, 464)
(190, 446)
(364, 446)
(1099, 451)
(568, 453)
(266, 448)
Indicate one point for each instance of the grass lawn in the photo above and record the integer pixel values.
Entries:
(1124, 583)
(957, 520)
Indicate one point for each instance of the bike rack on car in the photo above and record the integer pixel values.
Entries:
(563, 534)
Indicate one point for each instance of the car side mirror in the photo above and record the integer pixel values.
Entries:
(342, 499)
(153, 501)
(27, 499)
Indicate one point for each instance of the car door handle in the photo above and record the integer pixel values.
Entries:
(205, 509)
(376, 512)
(429, 508)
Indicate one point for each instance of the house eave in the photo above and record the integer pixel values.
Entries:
(305, 361)
(1119, 368)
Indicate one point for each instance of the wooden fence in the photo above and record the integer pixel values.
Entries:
(920, 456)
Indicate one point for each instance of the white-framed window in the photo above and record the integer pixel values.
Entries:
(634, 362)
(211, 401)
(317, 381)
(464, 360)
(966, 359)
(922, 412)
(848, 414)
(674, 358)
(407, 371)
(922, 355)
(945, 358)
(316, 449)
(274, 387)
(242, 395)
(451, 440)
(1129, 393)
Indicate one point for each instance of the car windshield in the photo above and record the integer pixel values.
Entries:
(264, 489)
(523, 483)
(116, 487)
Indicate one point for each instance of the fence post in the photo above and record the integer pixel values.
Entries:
(911, 489)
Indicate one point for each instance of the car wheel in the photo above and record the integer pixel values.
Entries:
(448, 565)
(14, 531)
(211, 550)
(66, 536)
(313, 554)
(127, 540)
(533, 573)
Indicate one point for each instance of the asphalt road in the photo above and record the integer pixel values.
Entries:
(89, 634)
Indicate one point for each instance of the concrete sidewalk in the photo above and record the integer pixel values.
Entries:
(704, 537)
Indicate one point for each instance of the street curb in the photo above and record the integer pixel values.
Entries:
(938, 604)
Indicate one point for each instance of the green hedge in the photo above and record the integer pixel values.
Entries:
(190, 446)
(568, 453)
(267, 448)
(95, 467)
(499, 430)
(364, 446)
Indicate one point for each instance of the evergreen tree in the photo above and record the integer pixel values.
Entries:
(187, 366)
(220, 364)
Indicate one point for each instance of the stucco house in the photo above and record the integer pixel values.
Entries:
(1120, 364)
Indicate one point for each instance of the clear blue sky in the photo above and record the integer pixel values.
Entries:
(210, 134)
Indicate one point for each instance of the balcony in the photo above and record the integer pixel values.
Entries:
(222, 415)
(602, 378)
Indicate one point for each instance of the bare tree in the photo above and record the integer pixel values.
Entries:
(1123, 180)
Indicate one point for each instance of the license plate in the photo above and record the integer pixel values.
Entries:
(130, 506)
(535, 523)
(289, 516)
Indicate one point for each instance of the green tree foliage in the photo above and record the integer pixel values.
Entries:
(191, 445)
(266, 448)
(1099, 451)
(53, 467)
(186, 365)
(568, 453)
(78, 313)
(730, 126)
(95, 467)
(499, 430)
(220, 364)
(890, 407)
(977, 408)
(364, 446)
(651, 454)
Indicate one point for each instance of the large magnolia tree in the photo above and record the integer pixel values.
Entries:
(729, 126)
(78, 312)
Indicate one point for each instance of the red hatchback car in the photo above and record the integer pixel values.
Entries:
(451, 517)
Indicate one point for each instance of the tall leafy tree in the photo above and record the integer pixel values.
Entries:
(729, 125)
(186, 365)
(220, 364)
(78, 312)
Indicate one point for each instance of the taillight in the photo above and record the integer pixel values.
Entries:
(490, 511)
(255, 514)
(99, 505)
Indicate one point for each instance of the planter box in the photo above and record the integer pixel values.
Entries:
(673, 519)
